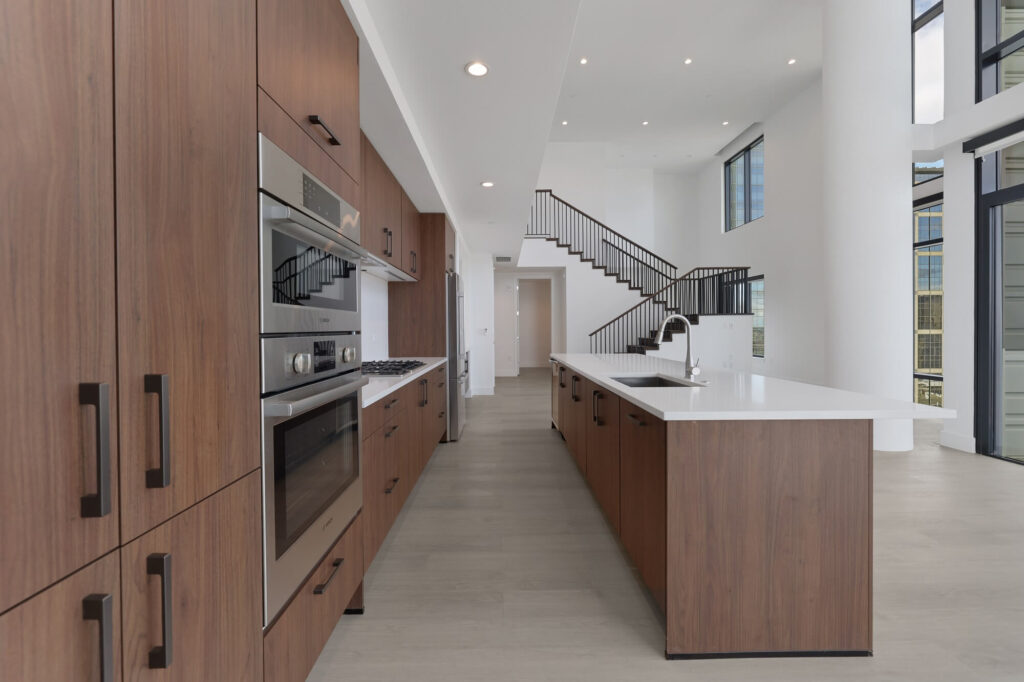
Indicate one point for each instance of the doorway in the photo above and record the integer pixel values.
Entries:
(534, 322)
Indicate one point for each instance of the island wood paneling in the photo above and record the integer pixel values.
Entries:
(769, 537)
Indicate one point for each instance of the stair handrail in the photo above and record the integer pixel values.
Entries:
(619, 235)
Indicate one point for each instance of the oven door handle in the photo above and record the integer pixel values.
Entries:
(286, 214)
(293, 408)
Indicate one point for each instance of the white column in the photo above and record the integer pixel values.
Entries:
(867, 204)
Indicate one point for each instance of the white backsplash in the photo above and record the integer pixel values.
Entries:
(374, 305)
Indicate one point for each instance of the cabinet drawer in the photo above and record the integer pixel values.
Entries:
(376, 414)
(291, 646)
(49, 638)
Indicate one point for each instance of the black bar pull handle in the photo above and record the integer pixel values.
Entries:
(426, 392)
(160, 564)
(394, 482)
(636, 420)
(100, 607)
(322, 587)
(317, 121)
(98, 395)
(391, 243)
(561, 376)
(386, 239)
(575, 398)
(391, 431)
(593, 407)
(413, 261)
(161, 476)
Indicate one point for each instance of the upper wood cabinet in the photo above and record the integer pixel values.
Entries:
(57, 325)
(309, 65)
(187, 249)
(204, 566)
(449, 245)
(381, 220)
(72, 631)
(417, 325)
(411, 251)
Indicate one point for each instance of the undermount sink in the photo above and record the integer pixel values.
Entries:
(655, 381)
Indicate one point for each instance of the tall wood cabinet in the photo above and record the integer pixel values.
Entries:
(130, 365)
(417, 321)
(58, 483)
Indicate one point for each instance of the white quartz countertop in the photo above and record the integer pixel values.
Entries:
(733, 395)
(381, 386)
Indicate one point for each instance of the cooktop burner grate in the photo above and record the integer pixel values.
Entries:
(394, 368)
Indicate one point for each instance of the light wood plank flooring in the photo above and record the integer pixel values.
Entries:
(501, 567)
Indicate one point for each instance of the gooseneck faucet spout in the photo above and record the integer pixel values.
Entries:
(691, 369)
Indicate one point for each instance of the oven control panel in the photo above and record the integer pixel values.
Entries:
(290, 361)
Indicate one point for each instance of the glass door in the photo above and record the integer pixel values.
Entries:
(1010, 219)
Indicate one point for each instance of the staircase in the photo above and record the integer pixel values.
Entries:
(556, 220)
(701, 291)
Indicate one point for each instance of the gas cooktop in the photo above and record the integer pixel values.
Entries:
(391, 368)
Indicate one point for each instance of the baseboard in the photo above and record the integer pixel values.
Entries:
(957, 441)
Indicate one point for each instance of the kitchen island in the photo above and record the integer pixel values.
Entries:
(745, 503)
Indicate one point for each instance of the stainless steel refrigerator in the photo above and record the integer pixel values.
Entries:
(458, 357)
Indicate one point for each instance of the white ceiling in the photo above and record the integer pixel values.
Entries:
(442, 132)
(635, 72)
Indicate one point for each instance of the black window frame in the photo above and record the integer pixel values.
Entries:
(927, 17)
(986, 30)
(745, 154)
(935, 199)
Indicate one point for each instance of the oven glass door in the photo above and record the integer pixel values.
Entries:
(316, 459)
(307, 276)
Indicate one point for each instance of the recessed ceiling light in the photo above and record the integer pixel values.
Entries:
(565, 123)
(487, 183)
(791, 62)
(725, 123)
(583, 60)
(476, 69)
(645, 123)
(687, 61)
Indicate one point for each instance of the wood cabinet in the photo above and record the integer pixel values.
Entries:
(204, 566)
(417, 319)
(410, 236)
(602, 446)
(57, 328)
(380, 469)
(293, 643)
(438, 404)
(642, 494)
(72, 631)
(574, 418)
(309, 65)
(449, 246)
(188, 325)
(381, 219)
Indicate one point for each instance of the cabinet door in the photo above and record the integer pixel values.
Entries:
(381, 220)
(204, 565)
(410, 440)
(378, 469)
(57, 326)
(309, 64)
(642, 494)
(427, 418)
(187, 249)
(603, 449)
(578, 417)
(69, 632)
(411, 252)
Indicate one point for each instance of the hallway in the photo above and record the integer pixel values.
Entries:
(501, 567)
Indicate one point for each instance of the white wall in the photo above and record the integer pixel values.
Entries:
(506, 329)
(675, 207)
(722, 342)
(785, 245)
(478, 270)
(373, 301)
(534, 322)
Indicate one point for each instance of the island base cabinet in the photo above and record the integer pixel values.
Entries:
(192, 592)
(642, 495)
(769, 537)
(602, 438)
(71, 631)
(294, 641)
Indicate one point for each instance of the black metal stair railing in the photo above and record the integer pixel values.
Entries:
(557, 220)
(299, 277)
(702, 291)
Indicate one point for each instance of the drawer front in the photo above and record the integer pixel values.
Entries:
(375, 415)
(291, 646)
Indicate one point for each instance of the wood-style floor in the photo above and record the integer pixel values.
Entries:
(501, 567)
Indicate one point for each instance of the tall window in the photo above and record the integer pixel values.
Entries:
(928, 302)
(929, 81)
(757, 308)
(744, 186)
(1000, 30)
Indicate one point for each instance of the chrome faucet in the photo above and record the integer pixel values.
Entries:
(692, 369)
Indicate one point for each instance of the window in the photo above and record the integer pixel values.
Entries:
(928, 302)
(928, 170)
(744, 186)
(929, 74)
(1000, 31)
(757, 308)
